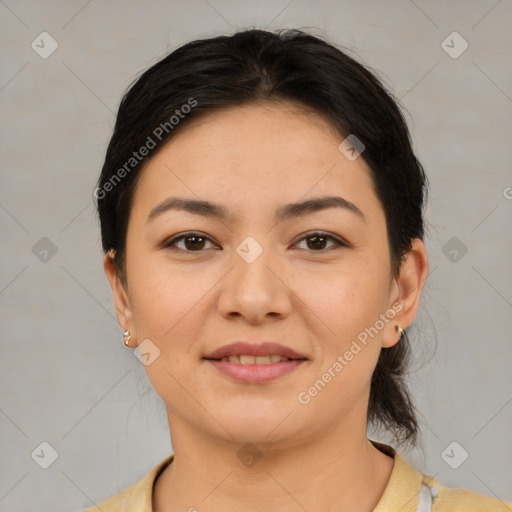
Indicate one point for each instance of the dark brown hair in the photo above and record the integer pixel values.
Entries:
(288, 65)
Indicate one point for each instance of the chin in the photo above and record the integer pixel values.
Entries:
(256, 424)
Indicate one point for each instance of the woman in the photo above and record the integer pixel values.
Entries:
(261, 217)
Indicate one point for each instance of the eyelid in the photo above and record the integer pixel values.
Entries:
(168, 242)
(337, 239)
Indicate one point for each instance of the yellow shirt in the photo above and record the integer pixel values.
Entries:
(401, 493)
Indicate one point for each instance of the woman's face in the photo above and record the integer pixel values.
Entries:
(258, 274)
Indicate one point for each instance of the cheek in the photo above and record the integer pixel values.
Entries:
(165, 304)
(169, 309)
(170, 305)
(344, 298)
(348, 302)
(347, 306)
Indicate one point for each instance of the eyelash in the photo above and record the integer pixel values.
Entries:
(168, 244)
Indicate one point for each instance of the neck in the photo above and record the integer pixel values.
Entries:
(322, 474)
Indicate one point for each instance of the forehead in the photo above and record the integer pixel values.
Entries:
(262, 153)
(244, 131)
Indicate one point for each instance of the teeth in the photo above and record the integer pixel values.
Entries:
(274, 358)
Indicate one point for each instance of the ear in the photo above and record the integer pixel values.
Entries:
(407, 291)
(120, 295)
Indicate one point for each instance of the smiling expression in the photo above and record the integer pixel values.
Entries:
(251, 226)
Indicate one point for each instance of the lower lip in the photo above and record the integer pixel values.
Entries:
(256, 372)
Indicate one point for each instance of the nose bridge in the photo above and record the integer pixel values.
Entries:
(254, 287)
(252, 263)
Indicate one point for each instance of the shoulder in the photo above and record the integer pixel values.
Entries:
(133, 496)
(405, 490)
(449, 499)
(136, 497)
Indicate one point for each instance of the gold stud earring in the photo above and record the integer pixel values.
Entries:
(127, 337)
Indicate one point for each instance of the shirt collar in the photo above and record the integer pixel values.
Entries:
(403, 487)
(401, 492)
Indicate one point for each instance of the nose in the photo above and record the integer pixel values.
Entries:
(256, 290)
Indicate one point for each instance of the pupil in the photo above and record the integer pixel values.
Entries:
(316, 237)
(316, 240)
(194, 244)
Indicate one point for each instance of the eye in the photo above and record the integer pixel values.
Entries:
(192, 242)
(318, 240)
(196, 242)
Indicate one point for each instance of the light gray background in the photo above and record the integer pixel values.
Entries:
(66, 377)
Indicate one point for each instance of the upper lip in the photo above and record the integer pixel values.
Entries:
(241, 348)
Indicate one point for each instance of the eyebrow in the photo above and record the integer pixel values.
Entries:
(284, 212)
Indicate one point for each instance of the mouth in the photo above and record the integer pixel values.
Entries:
(248, 359)
(266, 352)
(249, 363)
